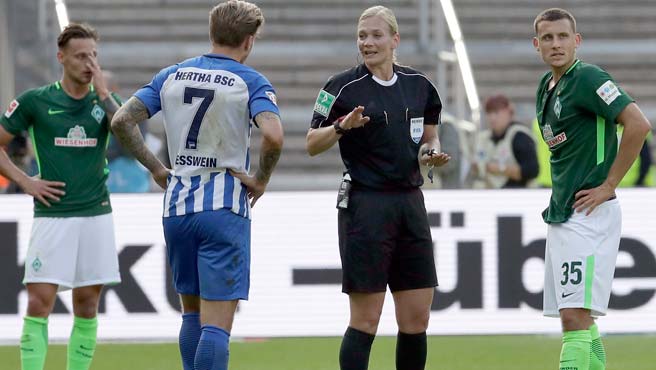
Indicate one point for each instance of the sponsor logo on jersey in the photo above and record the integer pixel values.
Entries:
(52, 112)
(416, 129)
(560, 138)
(76, 137)
(272, 97)
(97, 113)
(324, 103)
(608, 92)
(557, 107)
(549, 137)
(12, 108)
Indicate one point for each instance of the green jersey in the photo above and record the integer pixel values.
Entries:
(577, 118)
(70, 141)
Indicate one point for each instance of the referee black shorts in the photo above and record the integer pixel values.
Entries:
(385, 239)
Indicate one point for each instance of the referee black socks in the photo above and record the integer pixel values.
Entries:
(355, 349)
(411, 351)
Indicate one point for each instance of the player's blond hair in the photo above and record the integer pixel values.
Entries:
(231, 22)
(387, 15)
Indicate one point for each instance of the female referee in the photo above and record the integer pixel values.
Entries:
(384, 117)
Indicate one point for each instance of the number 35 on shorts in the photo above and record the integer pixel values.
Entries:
(572, 273)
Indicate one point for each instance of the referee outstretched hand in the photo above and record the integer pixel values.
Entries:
(354, 119)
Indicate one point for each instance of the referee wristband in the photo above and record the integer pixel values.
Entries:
(338, 129)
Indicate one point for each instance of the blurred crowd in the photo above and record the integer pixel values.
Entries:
(503, 153)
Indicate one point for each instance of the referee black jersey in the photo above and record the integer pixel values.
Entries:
(381, 155)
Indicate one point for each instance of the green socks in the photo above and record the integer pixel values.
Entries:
(34, 343)
(575, 354)
(82, 343)
(597, 354)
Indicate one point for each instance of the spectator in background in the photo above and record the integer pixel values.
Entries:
(506, 156)
(126, 174)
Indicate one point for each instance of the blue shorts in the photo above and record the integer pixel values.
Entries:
(210, 254)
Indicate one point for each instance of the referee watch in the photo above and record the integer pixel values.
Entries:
(338, 129)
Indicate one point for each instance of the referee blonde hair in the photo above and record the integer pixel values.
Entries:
(387, 15)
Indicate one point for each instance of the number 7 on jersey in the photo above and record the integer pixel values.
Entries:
(189, 94)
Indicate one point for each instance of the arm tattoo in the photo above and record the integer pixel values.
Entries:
(270, 152)
(124, 126)
(268, 160)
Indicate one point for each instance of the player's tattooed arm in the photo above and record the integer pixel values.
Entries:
(124, 126)
(272, 138)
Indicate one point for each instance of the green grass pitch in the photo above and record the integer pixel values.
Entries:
(445, 352)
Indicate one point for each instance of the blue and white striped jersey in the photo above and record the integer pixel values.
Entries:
(208, 103)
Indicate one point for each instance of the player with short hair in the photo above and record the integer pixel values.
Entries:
(578, 107)
(208, 103)
(72, 242)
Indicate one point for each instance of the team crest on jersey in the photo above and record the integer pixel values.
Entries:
(416, 129)
(12, 108)
(608, 92)
(76, 137)
(549, 137)
(324, 103)
(98, 113)
(272, 97)
(557, 107)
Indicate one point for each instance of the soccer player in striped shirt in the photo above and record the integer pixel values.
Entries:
(208, 103)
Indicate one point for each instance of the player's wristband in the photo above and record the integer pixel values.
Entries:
(338, 129)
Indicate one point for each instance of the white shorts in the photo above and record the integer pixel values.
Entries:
(580, 260)
(72, 252)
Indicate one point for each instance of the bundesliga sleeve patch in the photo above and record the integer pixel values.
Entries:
(272, 97)
(608, 92)
(324, 103)
(12, 108)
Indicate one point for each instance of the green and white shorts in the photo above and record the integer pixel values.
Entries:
(580, 260)
(72, 252)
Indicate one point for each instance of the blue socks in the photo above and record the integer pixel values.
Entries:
(189, 337)
(212, 352)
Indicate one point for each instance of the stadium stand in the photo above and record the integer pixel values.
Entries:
(305, 41)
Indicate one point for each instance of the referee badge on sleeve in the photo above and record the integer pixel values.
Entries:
(416, 129)
(324, 103)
